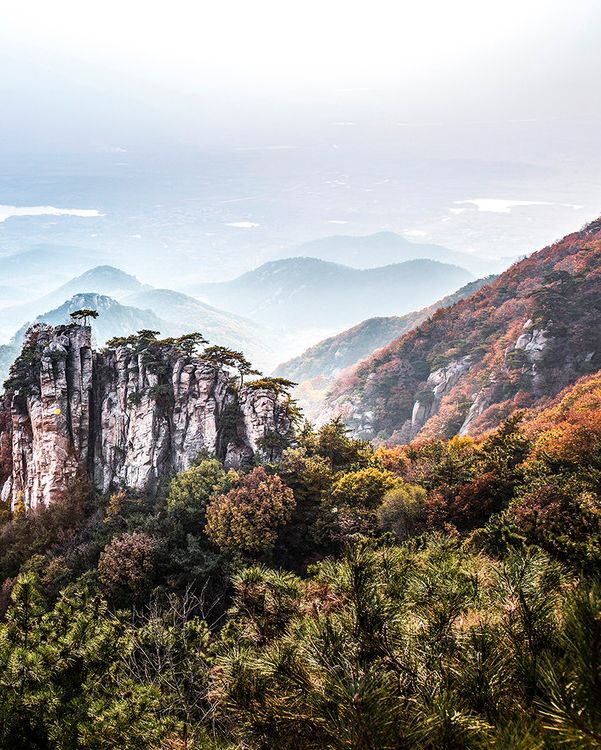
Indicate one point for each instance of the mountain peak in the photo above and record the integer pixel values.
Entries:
(106, 274)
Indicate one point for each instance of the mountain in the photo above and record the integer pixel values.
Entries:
(513, 344)
(384, 248)
(334, 354)
(308, 292)
(188, 314)
(102, 280)
(130, 415)
(105, 280)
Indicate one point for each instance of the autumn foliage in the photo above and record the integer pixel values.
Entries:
(553, 295)
(248, 517)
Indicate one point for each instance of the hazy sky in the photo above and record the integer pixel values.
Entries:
(93, 75)
(225, 133)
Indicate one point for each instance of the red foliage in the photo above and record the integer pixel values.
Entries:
(484, 328)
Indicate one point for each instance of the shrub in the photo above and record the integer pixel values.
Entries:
(190, 490)
(364, 488)
(126, 565)
(247, 519)
(401, 510)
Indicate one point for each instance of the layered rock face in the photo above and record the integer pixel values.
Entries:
(126, 416)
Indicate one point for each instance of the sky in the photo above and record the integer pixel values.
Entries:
(227, 133)
(215, 74)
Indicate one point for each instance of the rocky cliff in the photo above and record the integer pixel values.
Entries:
(514, 343)
(129, 415)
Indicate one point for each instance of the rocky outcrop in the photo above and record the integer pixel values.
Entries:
(438, 384)
(526, 353)
(130, 415)
(480, 404)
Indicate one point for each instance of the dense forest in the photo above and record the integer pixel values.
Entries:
(442, 594)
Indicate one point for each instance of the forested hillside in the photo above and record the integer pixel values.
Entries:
(435, 595)
(317, 366)
(512, 344)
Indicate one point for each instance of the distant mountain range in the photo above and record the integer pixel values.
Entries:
(139, 306)
(307, 292)
(315, 368)
(384, 248)
(513, 344)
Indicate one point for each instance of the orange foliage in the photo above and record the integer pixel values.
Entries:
(555, 290)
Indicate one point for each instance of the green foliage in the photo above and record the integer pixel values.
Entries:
(272, 444)
(402, 510)
(434, 596)
(190, 491)
(402, 647)
(572, 682)
(364, 488)
(279, 385)
(332, 441)
(74, 676)
(222, 356)
(83, 315)
(24, 372)
(190, 343)
(56, 676)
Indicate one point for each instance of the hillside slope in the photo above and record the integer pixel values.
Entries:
(334, 354)
(512, 344)
(307, 292)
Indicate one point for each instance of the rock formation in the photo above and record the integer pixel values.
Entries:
(129, 415)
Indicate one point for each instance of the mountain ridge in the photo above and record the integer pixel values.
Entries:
(308, 292)
(386, 247)
(510, 345)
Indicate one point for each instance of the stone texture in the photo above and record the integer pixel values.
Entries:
(122, 418)
(439, 383)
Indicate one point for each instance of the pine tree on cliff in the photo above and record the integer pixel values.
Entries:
(225, 357)
(83, 315)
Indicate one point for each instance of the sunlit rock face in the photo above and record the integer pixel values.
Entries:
(121, 417)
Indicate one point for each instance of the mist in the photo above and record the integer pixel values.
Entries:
(224, 136)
